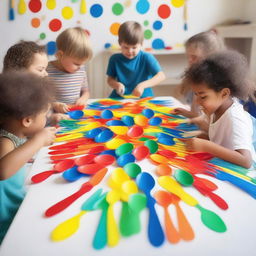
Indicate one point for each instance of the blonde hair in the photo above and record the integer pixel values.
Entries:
(74, 42)
(209, 41)
(131, 33)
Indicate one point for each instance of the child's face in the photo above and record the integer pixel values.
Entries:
(208, 99)
(194, 54)
(39, 65)
(130, 51)
(71, 64)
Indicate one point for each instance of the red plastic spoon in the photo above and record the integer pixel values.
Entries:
(220, 202)
(87, 186)
(59, 167)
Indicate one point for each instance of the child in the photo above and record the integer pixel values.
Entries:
(24, 102)
(133, 71)
(67, 72)
(198, 47)
(217, 83)
(28, 55)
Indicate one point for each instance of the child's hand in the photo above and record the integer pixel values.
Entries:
(139, 89)
(121, 89)
(60, 107)
(183, 112)
(46, 136)
(195, 144)
(81, 101)
(57, 117)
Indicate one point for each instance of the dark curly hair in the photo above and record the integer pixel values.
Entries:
(23, 94)
(20, 56)
(226, 69)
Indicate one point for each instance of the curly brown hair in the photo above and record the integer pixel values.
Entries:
(20, 56)
(23, 94)
(226, 69)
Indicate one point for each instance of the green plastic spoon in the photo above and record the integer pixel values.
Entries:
(100, 237)
(137, 202)
(128, 188)
(184, 177)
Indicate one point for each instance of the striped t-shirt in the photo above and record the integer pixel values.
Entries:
(68, 87)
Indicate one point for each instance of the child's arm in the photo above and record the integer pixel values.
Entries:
(83, 98)
(194, 112)
(155, 80)
(12, 159)
(240, 157)
(184, 112)
(113, 83)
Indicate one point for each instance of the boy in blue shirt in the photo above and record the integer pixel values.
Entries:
(133, 71)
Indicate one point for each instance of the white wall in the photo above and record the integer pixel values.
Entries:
(202, 14)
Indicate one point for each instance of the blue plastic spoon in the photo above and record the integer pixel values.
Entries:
(145, 183)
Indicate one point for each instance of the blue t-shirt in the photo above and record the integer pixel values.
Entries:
(12, 191)
(131, 72)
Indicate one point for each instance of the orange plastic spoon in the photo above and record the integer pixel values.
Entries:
(185, 229)
(164, 199)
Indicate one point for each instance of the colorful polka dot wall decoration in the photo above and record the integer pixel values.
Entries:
(142, 6)
(54, 16)
(117, 9)
(51, 4)
(148, 34)
(42, 36)
(157, 25)
(96, 10)
(35, 5)
(158, 44)
(114, 28)
(51, 48)
(178, 3)
(67, 12)
(55, 25)
(146, 23)
(164, 11)
(35, 22)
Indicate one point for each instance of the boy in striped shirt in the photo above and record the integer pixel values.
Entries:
(67, 72)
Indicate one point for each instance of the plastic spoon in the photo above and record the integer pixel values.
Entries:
(87, 186)
(100, 237)
(145, 183)
(174, 187)
(164, 199)
(220, 202)
(185, 230)
(209, 218)
(112, 229)
(59, 167)
(186, 179)
(67, 228)
(137, 202)
(128, 188)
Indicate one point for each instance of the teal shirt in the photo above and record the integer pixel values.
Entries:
(12, 191)
(131, 72)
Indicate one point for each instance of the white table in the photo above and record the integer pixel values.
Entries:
(29, 234)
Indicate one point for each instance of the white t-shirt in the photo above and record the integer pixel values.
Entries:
(233, 130)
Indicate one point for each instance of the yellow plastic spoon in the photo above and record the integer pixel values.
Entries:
(174, 187)
(112, 230)
(67, 228)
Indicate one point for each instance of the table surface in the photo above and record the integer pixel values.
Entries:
(30, 231)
